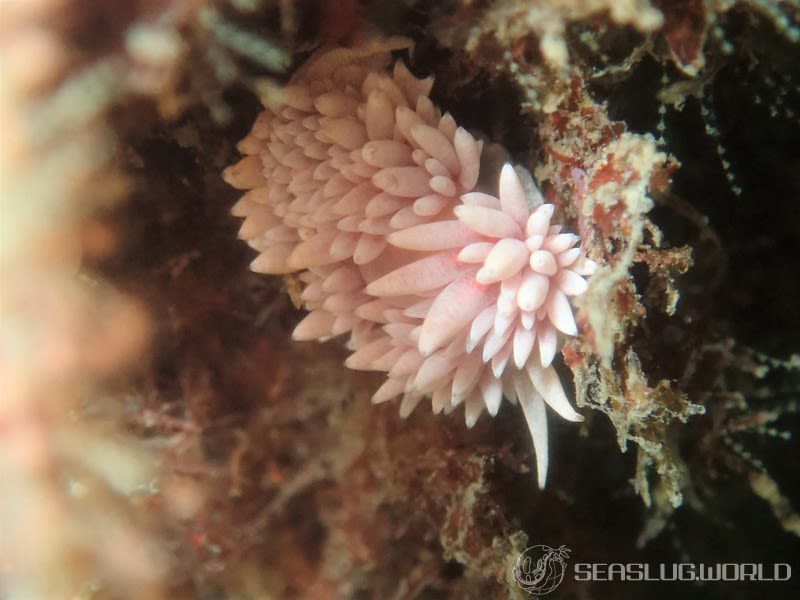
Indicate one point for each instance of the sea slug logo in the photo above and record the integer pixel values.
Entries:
(540, 569)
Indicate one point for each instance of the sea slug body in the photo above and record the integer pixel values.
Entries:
(359, 183)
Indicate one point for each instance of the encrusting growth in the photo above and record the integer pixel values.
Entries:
(358, 181)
